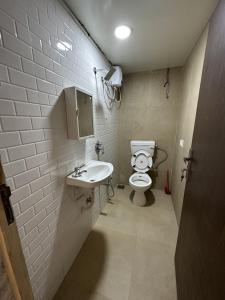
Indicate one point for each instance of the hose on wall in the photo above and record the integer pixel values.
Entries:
(108, 186)
(163, 160)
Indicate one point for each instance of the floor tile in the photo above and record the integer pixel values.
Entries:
(129, 254)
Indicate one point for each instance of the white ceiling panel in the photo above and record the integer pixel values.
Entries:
(163, 31)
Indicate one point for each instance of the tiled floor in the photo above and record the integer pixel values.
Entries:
(129, 254)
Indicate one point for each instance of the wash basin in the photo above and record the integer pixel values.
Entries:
(96, 173)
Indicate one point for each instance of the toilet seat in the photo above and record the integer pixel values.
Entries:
(141, 161)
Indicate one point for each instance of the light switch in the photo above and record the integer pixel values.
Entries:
(182, 143)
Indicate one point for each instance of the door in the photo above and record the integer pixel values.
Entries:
(200, 253)
(14, 280)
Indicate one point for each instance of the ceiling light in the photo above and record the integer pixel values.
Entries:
(122, 32)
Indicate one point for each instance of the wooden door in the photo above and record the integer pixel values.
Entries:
(200, 253)
(11, 251)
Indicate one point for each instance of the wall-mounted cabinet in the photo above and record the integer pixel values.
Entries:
(79, 109)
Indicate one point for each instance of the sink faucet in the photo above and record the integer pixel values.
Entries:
(78, 172)
(99, 148)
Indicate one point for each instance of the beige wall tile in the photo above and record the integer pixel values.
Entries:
(146, 114)
(192, 73)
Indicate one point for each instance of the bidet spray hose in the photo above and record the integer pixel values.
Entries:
(110, 185)
(163, 160)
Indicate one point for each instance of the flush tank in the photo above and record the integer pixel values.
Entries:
(148, 146)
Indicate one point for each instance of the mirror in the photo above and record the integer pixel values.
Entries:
(85, 114)
(79, 111)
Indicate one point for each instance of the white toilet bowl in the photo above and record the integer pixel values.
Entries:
(140, 182)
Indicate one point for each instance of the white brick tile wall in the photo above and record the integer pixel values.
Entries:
(14, 11)
(22, 151)
(50, 52)
(38, 240)
(46, 87)
(35, 221)
(4, 73)
(9, 139)
(16, 210)
(7, 23)
(10, 183)
(36, 160)
(14, 168)
(23, 33)
(46, 221)
(30, 201)
(12, 92)
(44, 146)
(42, 60)
(54, 78)
(27, 239)
(25, 217)
(37, 97)
(44, 21)
(26, 177)
(27, 109)
(41, 123)
(4, 156)
(34, 256)
(34, 148)
(16, 123)
(22, 79)
(40, 183)
(32, 136)
(10, 59)
(7, 108)
(43, 98)
(12, 43)
(38, 30)
(43, 203)
(33, 69)
(20, 194)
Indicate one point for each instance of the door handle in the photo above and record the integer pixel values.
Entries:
(5, 195)
(182, 174)
(189, 158)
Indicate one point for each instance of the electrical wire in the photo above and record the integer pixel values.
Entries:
(167, 83)
(111, 94)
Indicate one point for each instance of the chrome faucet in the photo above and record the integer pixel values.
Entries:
(99, 148)
(78, 172)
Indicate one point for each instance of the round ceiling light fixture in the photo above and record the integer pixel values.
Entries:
(122, 32)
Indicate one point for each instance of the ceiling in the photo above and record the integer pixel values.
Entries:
(163, 31)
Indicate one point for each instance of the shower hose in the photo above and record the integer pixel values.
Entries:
(109, 186)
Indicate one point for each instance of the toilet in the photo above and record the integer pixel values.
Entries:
(141, 161)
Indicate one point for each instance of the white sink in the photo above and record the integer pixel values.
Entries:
(97, 172)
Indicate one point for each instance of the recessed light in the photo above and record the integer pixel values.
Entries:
(122, 32)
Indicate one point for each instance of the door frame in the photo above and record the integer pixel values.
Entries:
(12, 254)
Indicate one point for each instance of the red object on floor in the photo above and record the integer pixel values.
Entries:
(167, 186)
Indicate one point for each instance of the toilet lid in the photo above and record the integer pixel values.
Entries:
(141, 161)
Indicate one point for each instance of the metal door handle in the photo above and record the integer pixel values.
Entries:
(182, 174)
(189, 158)
(5, 195)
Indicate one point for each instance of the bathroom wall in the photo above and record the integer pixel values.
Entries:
(146, 114)
(34, 148)
(191, 74)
